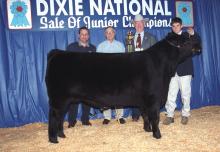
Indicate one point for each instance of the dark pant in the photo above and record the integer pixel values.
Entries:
(73, 111)
(135, 113)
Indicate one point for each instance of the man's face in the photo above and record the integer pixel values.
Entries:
(139, 26)
(110, 34)
(176, 27)
(84, 36)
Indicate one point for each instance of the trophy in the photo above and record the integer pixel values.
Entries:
(129, 40)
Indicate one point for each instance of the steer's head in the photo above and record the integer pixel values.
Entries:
(186, 45)
(185, 42)
(180, 48)
(192, 45)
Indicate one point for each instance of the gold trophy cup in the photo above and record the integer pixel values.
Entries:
(129, 40)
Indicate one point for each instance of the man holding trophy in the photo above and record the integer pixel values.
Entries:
(140, 41)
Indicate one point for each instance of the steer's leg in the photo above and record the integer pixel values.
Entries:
(62, 112)
(154, 117)
(53, 125)
(147, 126)
(60, 132)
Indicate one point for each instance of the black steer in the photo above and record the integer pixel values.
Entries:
(138, 79)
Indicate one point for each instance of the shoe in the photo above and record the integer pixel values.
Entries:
(86, 123)
(122, 121)
(168, 121)
(105, 121)
(184, 120)
(135, 119)
(72, 124)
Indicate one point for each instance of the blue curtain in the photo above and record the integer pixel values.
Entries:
(206, 84)
(23, 57)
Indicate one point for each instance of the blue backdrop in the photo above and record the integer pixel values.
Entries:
(23, 57)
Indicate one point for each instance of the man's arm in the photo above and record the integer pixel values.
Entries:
(72, 46)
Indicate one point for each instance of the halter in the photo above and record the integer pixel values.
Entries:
(178, 46)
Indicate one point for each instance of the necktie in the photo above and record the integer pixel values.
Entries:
(138, 42)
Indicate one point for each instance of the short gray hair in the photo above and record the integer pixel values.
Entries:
(111, 28)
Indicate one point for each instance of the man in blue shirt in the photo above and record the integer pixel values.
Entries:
(110, 45)
(82, 45)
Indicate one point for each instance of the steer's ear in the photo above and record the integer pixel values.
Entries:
(196, 44)
(193, 46)
(173, 39)
(197, 48)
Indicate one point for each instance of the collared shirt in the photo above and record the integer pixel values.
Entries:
(136, 35)
(135, 40)
(111, 47)
(77, 47)
(180, 32)
(83, 44)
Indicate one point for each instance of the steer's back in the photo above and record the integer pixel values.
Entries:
(97, 76)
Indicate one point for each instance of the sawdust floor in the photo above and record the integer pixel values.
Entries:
(201, 134)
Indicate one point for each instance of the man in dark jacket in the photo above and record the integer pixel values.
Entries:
(141, 41)
(82, 45)
(182, 79)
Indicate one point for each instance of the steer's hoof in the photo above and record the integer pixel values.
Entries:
(147, 129)
(157, 135)
(61, 135)
(53, 140)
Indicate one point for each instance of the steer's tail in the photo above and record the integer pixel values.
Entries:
(52, 53)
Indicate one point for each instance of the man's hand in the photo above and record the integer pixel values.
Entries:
(190, 30)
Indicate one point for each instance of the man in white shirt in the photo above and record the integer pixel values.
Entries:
(110, 45)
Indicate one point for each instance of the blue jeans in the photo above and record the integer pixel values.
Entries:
(135, 113)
